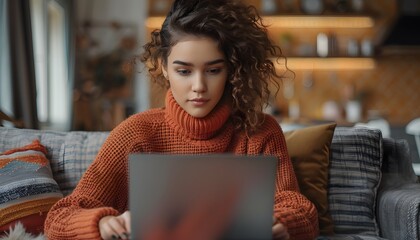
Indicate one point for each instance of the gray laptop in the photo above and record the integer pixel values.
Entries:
(218, 196)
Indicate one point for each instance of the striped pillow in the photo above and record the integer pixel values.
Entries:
(355, 173)
(27, 187)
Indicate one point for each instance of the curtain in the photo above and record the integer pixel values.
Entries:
(5, 82)
(22, 63)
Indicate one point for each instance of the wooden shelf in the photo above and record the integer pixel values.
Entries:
(331, 63)
(321, 21)
(304, 29)
(295, 21)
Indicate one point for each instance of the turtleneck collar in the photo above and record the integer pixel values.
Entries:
(192, 127)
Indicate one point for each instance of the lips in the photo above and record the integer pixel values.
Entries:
(199, 101)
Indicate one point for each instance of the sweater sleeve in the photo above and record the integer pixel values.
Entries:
(291, 208)
(102, 191)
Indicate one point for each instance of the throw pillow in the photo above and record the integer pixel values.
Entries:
(309, 151)
(355, 173)
(397, 166)
(76, 154)
(28, 189)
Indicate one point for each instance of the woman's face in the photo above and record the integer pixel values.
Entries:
(197, 73)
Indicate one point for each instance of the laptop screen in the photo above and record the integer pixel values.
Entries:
(216, 196)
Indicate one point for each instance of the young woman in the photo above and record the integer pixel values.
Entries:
(214, 56)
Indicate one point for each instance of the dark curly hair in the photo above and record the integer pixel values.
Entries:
(241, 36)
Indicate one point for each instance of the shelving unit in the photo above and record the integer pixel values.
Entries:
(357, 23)
(319, 22)
(296, 32)
(297, 21)
(330, 63)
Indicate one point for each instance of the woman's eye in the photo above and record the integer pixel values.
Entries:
(183, 71)
(214, 70)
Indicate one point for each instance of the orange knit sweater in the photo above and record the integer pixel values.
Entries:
(103, 190)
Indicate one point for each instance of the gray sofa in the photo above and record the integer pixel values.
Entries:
(373, 192)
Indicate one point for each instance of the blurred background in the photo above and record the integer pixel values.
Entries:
(68, 64)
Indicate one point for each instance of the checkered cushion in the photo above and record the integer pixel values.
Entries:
(355, 173)
(77, 153)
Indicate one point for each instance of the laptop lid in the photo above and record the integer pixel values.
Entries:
(217, 196)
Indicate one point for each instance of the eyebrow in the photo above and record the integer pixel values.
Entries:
(190, 64)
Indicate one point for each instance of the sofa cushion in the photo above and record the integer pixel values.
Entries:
(399, 193)
(52, 140)
(309, 150)
(355, 173)
(77, 153)
(350, 237)
(400, 212)
(27, 186)
(65, 150)
(397, 167)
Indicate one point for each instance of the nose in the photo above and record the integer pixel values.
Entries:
(199, 83)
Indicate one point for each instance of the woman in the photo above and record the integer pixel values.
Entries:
(214, 56)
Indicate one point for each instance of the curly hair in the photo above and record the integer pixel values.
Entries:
(241, 36)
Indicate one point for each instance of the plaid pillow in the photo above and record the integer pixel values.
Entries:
(76, 154)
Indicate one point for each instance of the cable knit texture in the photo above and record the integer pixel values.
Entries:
(103, 190)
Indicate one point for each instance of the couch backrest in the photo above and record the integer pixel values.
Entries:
(354, 175)
(70, 153)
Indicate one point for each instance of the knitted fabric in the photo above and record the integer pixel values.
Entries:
(103, 190)
(27, 184)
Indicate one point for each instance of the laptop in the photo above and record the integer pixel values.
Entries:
(215, 196)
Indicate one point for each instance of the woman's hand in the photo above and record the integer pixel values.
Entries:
(115, 227)
(279, 230)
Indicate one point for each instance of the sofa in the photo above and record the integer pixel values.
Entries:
(363, 185)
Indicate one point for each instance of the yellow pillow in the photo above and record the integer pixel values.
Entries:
(309, 150)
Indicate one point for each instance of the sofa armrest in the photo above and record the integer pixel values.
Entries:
(398, 212)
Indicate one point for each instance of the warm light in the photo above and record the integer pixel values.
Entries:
(154, 22)
(297, 22)
(310, 22)
(319, 22)
(327, 63)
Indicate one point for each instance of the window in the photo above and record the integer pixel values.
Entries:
(39, 20)
(50, 28)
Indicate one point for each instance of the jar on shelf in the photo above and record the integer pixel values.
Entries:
(358, 5)
(268, 7)
(312, 6)
(341, 6)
